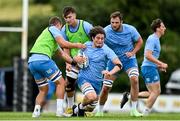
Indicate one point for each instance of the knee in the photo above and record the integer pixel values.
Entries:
(63, 82)
(92, 97)
(134, 80)
(43, 90)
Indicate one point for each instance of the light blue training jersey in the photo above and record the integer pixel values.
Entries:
(121, 41)
(87, 27)
(98, 58)
(152, 44)
(55, 33)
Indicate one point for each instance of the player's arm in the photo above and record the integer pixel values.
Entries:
(162, 66)
(68, 58)
(58, 36)
(68, 65)
(117, 67)
(65, 44)
(137, 47)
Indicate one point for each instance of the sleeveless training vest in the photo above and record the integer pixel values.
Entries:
(75, 37)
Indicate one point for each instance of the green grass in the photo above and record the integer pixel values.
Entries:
(115, 116)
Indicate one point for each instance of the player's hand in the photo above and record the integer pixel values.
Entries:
(106, 73)
(80, 46)
(163, 67)
(80, 59)
(129, 54)
(68, 67)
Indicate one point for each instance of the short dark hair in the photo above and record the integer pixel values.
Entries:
(156, 24)
(116, 14)
(96, 30)
(54, 20)
(67, 10)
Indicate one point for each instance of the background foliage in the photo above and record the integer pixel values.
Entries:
(138, 13)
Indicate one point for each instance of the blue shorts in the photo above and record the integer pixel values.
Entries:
(97, 85)
(150, 74)
(42, 69)
(127, 64)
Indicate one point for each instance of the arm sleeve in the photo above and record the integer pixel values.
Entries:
(63, 32)
(87, 27)
(55, 31)
(110, 53)
(150, 44)
(135, 34)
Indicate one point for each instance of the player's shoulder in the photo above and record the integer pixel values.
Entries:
(88, 43)
(86, 23)
(63, 28)
(128, 26)
(105, 47)
(152, 37)
(108, 27)
(52, 28)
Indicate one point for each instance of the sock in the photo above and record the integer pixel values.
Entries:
(60, 105)
(37, 108)
(129, 96)
(101, 108)
(70, 102)
(81, 106)
(146, 110)
(133, 105)
(77, 108)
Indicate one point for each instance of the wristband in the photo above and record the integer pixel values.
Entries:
(119, 65)
(73, 62)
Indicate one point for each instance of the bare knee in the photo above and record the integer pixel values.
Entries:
(43, 90)
(92, 97)
(134, 80)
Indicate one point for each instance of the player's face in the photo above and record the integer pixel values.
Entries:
(98, 40)
(70, 18)
(116, 23)
(162, 29)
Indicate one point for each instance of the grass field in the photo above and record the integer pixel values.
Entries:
(118, 116)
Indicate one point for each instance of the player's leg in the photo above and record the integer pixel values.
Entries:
(126, 97)
(107, 85)
(51, 91)
(90, 96)
(154, 90)
(151, 78)
(133, 74)
(42, 83)
(55, 75)
(40, 100)
(144, 94)
(90, 108)
(60, 90)
(71, 77)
